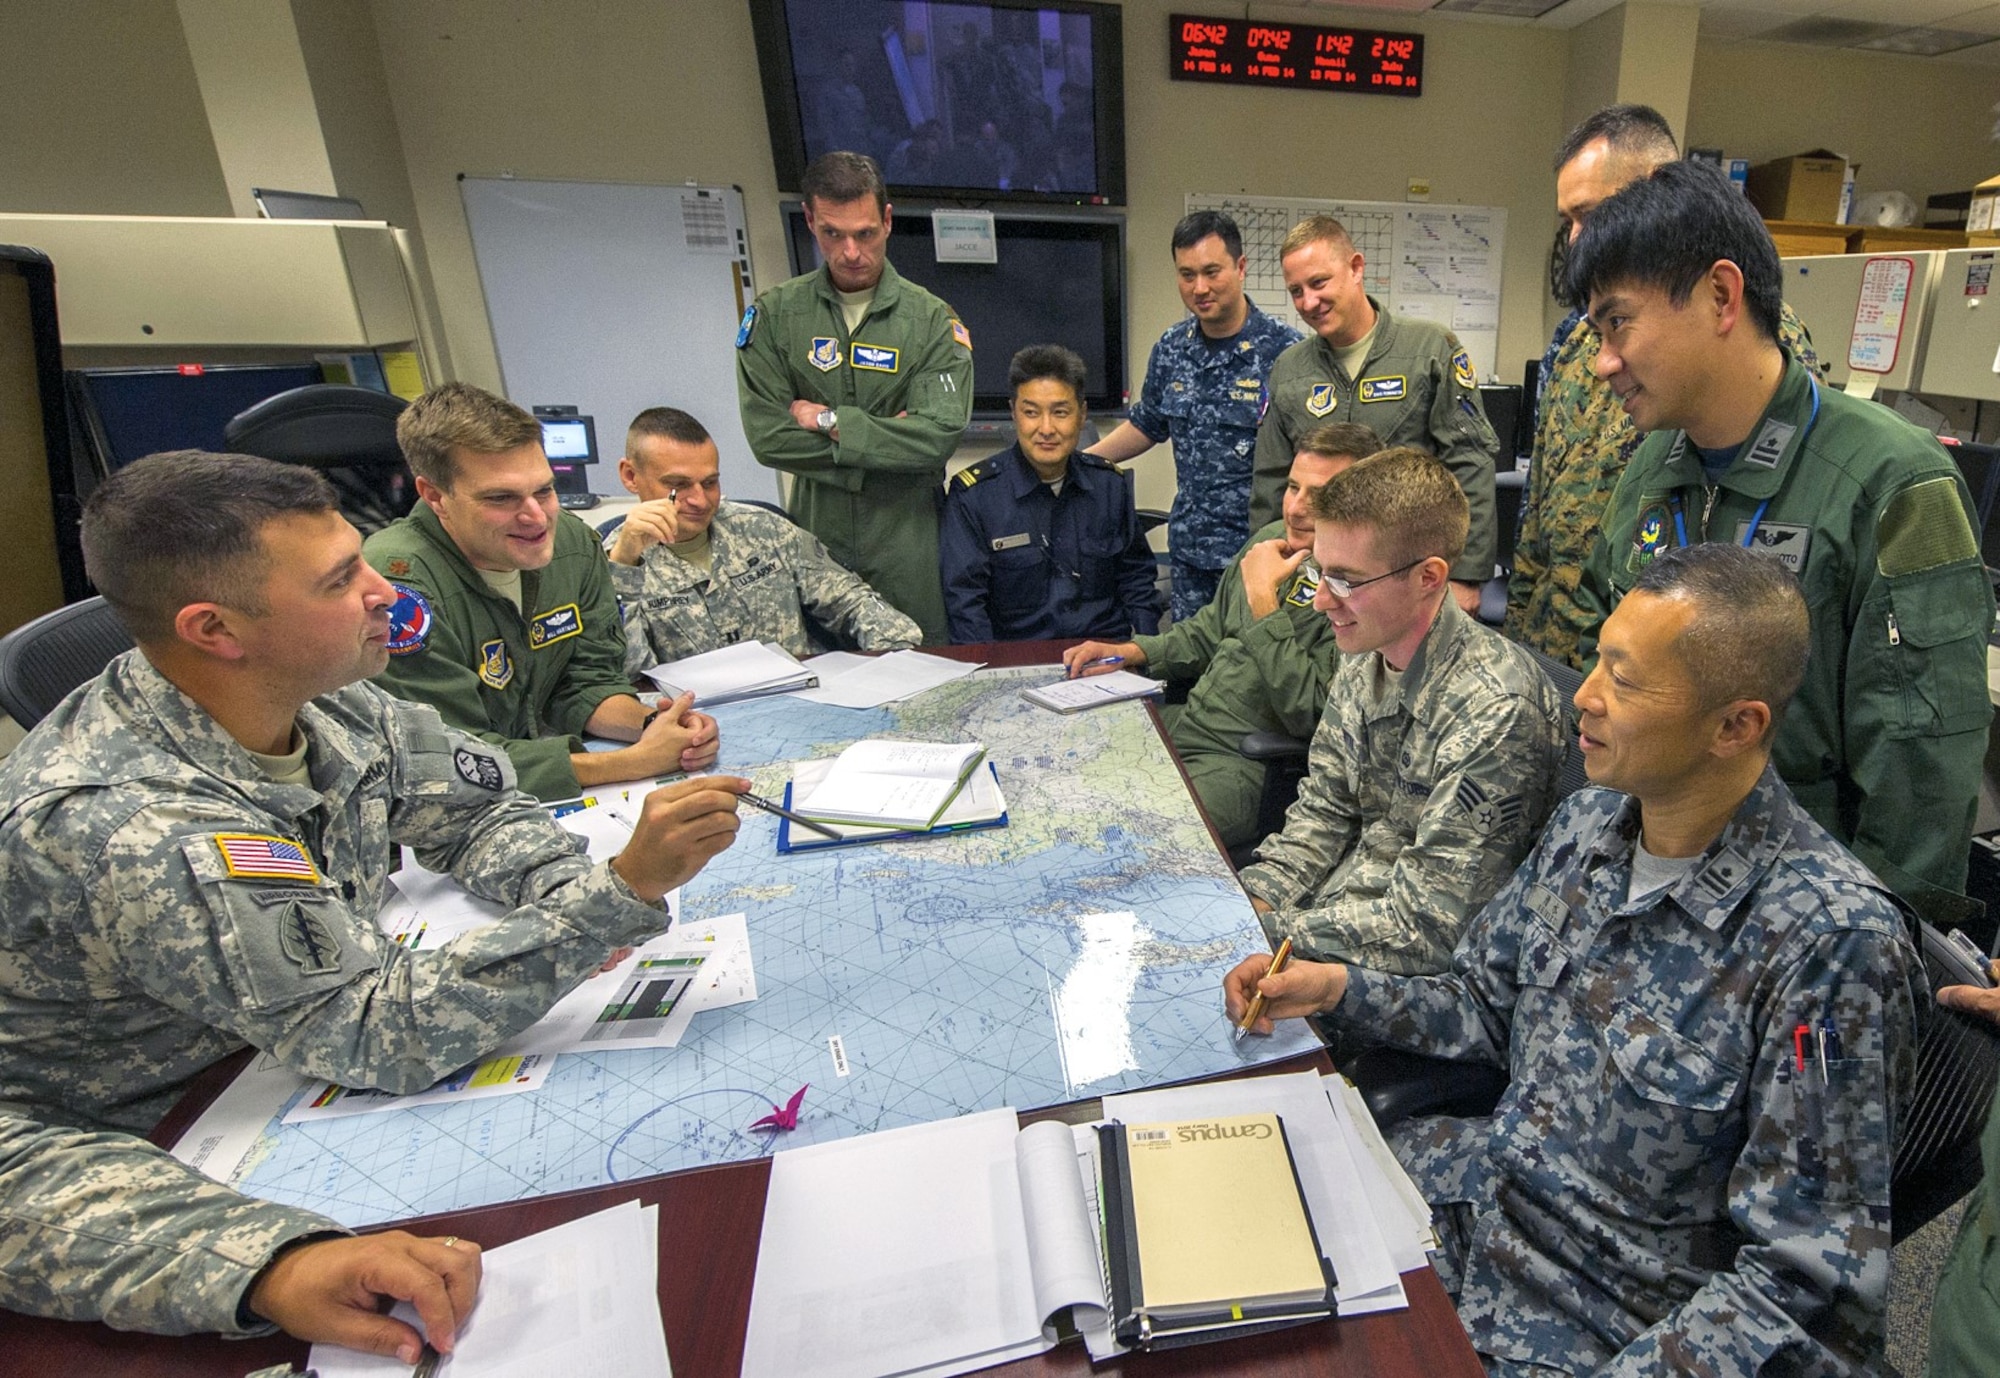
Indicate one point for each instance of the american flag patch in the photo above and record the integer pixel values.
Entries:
(254, 856)
(961, 334)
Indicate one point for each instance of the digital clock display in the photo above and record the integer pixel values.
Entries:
(1263, 53)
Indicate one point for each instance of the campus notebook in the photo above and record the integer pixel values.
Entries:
(979, 805)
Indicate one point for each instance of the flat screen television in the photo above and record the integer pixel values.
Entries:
(985, 99)
(128, 413)
(1059, 279)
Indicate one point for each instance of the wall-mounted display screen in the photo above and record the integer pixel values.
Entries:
(1260, 52)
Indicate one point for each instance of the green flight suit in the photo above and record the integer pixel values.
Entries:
(1416, 388)
(902, 383)
(509, 678)
(1250, 674)
(1965, 1315)
(1884, 741)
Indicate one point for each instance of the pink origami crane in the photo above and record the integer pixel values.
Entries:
(786, 1117)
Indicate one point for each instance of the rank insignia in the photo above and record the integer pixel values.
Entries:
(260, 856)
(824, 354)
(396, 569)
(1461, 371)
(496, 667)
(558, 624)
(1322, 399)
(1487, 812)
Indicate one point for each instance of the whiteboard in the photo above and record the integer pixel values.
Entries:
(613, 297)
(1434, 263)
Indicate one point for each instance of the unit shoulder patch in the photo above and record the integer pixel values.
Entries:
(411, 621)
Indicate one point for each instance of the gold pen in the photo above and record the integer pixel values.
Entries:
(1255, 1011)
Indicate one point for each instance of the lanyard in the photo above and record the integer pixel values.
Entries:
(1757, 517)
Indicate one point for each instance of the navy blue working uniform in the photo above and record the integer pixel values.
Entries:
(1021, 562)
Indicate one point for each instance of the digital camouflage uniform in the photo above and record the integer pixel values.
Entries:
(1416, 388)
(1583, 439)
(902, 384)
(1418, 801)
(525, 681)
(1207, 399)
(105, 1227)
(1248, 674)
(765, 576)
(1022, 563)
(1660, 1190)
(163, 901)
(1884, 741)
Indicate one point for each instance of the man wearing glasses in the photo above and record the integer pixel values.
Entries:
(1435, 762)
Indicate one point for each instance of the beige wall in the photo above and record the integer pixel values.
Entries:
(1914, 125)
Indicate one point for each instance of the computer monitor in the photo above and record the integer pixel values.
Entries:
(305, 205)
(127, 413)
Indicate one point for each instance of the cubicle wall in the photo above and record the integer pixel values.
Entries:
(45, 564)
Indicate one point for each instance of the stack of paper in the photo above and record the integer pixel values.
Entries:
(979, 805)
(850, 680)
(1092, 691)
(580, 1298)
(891, 784)
(743, 671)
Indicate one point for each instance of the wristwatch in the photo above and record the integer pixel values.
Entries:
(827, 420)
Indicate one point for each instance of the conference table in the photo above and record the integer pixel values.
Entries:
(705, 1291)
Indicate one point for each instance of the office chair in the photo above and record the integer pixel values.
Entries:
(348, 434)
(1937, 1148)
(42, 660)
(1509, 491)
(1398, 1084)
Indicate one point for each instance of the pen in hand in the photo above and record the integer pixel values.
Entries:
(1079, 668)
(1255, 1009)
(759, 802)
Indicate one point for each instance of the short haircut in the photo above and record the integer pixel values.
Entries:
(460, 416)
(839, 177)
(187, 527)
(1410, 501)
(1666, 230)
(664, 423)
(1047, 361)
(1316, 229)
(1339, 440)
(1636, 132)
(1750, 633)
(1196, 226)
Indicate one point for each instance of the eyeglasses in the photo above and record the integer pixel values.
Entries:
(1344, 588)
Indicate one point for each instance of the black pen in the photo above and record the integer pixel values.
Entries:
(759, 802)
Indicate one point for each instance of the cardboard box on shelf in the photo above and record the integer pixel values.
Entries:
(1984, 214)
(1798, 237)
(1806, 186)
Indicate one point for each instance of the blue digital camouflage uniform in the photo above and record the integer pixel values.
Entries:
(1022, 564)
(1207, 398)
(765, 576)
(163, 901)
(105, 1227)
(1419, 799)
(1661, 1189)
(1583, 441)
(1884, 740)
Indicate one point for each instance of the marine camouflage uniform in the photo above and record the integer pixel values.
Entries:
(105, 1227)
(1249, 674)
(902, 384)
(1884, 741)
(765, 575)
(1418, 801)
(1583, 440)
(1661, 1190)
(1207, 399)
(163, 901)
(1416, 388)
(526, 680)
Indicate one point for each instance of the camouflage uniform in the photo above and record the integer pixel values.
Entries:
(1207, 399)
(1250, 674)
(1583, 440)
(1660, 1189)
(163, 901)
(1416, 388)
(1418, 802)
(764, 576)
(105, 1227)
(902, 384)
(509, 677)
(1884, 740)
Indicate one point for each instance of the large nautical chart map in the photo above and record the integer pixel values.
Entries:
(1076, 952)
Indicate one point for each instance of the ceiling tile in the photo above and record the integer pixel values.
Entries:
(1924, 42)
(1904, 13)
(1983, 20)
